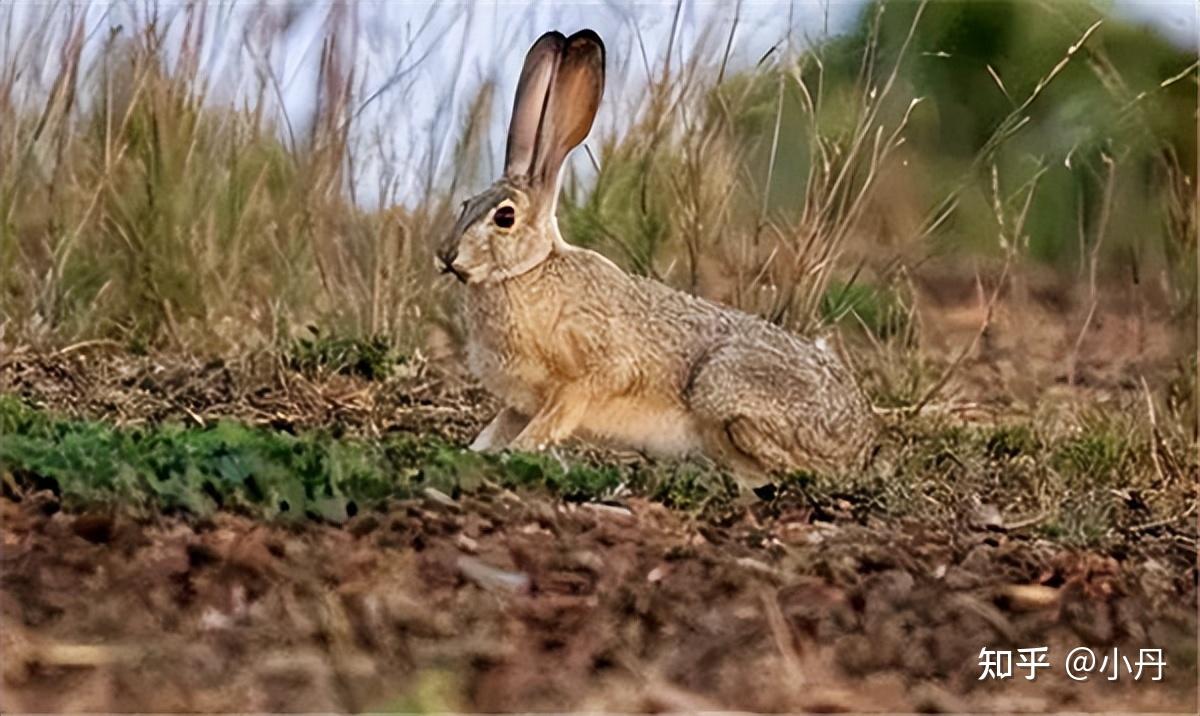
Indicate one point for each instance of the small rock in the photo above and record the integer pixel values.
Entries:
(533, 528)
(490, 577)
(441, 498)
(759, 567)
(986, 517)
(1029, 597)
(214, 620)
(588, 560)
(818, 532)
(623, 515)
(466, 544)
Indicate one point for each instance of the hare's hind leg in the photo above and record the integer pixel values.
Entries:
(750, 407)
(507, 424)
(747, 448)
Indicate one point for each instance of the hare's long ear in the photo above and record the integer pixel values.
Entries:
(575, 93)
(529, 108)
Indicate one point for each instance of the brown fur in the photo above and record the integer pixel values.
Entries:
(574, 346)
(580, 347)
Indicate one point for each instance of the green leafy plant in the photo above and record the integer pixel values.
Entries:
(876, 309)
(373, 357)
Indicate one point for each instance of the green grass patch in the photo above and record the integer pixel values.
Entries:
(1089, 484)
(875, 309)
(197, 469)
(277, 474)
(373, 358)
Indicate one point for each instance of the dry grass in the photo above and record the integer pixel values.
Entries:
(688, 197)
(142, 204)
(151, 202)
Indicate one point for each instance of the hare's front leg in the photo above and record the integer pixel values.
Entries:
(557, 419)
(507, 424)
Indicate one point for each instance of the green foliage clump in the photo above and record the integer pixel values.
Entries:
(691, 488)
(1010, 441)
(622, 215)
(429, 691)
(199, 469)
(1089, 483)
(876, 309)
(1094, 456)
(274, 473)
(372, 357)
(579, 481)
(1111, 107)
(1085, 485)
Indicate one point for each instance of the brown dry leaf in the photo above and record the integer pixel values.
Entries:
(1030, 597)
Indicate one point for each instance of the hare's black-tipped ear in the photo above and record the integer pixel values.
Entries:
(529, 107)
(574, 98)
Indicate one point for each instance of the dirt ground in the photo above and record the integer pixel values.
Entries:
(499, 601)
(502, 602)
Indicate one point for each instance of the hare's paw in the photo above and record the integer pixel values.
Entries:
(541, 433)
(529, 442)
(499, 433)
(556, 421)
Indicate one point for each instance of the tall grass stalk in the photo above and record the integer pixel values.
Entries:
(144, 198)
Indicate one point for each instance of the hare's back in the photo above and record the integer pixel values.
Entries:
(786, 402)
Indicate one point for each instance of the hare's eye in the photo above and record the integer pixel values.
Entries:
(504, 217)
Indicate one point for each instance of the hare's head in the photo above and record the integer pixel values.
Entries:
(510, 228)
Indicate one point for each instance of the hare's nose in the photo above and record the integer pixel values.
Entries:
(447, 258)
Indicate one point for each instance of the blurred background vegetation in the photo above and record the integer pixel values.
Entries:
(1107, 130)
(829, 182)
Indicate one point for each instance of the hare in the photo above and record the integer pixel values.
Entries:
(573, 346)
